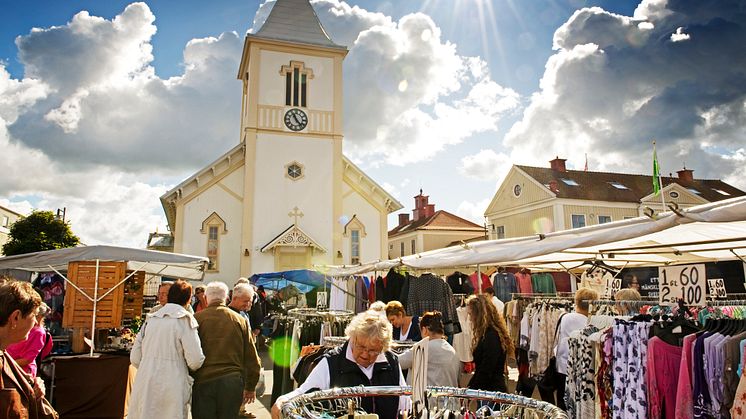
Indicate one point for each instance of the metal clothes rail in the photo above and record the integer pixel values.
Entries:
(335, 401)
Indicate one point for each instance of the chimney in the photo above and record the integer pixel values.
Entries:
(553, 186)
(686, 175)
(421, 207)
(403, 219)
(558, 164)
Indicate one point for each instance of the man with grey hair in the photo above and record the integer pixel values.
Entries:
(230, 372)
(243, 295)
(364, 360)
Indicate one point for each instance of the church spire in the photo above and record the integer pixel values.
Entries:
(295, 21)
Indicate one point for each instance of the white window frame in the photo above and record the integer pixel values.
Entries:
(572, 220)
(604, 216)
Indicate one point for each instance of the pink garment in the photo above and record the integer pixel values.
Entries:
(30, 348)
(664, 362)
(524, 283)
(684, 390)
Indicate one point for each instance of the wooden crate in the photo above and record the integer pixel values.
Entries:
(133, 294)
(79, 309)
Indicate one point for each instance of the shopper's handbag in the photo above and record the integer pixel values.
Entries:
(549, 380)
(11, 400)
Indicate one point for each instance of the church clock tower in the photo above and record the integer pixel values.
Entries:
(291, 125)
(285, 197)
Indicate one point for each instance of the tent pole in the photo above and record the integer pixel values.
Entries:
(95, 304)
(479, 279)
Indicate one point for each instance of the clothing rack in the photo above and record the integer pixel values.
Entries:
(725, 303)
(335, 402)
(540, 296)
(334, 341)
(309, 313)
(612, 302)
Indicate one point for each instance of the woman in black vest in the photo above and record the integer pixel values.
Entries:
(364, 360)
(491, 344)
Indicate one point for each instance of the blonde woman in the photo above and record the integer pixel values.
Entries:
(405, 327)
(491, 344)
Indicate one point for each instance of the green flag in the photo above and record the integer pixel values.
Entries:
(656, 173)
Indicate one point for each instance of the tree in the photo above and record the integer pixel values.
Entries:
(41, 230)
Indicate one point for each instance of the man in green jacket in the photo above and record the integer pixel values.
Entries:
(230, 372)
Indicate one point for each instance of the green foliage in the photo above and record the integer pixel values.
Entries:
(39, 231)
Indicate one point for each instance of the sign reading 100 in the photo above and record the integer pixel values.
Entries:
(685, 282)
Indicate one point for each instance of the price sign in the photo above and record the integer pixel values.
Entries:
(717, 288)
(684, 282)
(616, 285)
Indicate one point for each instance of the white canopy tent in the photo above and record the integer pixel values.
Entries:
(150, 261)
(715, 222)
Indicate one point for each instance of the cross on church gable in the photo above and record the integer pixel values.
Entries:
(295, 213)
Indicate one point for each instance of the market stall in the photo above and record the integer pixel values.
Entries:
(102, 287)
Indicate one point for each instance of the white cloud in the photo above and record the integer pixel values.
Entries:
(486, 165)
(408, 93)
(473, 211)
(617, 82)
(679, 35)
(103, 103)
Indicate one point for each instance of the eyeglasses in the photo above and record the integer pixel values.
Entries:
(371, 352)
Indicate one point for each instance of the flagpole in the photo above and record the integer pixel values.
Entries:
(656, 168)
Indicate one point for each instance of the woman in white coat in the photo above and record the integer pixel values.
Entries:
(166, 348)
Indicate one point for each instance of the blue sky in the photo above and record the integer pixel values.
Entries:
(507, 82)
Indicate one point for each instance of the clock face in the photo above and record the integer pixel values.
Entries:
(517, 190)
(295, 119)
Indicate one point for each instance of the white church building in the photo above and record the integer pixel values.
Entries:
(285, 197)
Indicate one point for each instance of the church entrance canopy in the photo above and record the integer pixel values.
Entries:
(713, 231)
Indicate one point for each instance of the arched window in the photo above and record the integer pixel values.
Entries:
(213, 226)
(296, 83)
(355, 230)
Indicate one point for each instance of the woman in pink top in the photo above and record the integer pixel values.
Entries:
(25, 352)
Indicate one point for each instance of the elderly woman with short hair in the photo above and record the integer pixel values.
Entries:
(18, 309)
(364, 359)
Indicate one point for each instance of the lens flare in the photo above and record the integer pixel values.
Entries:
(279, 351)
(542, 225)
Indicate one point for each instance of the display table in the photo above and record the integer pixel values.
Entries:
(92, 387)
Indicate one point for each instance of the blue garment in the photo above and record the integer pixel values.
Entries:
(504, 285)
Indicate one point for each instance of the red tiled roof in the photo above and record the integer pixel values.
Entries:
(597, 186)
(440, 219)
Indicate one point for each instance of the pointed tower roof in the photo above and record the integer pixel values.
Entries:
(295, 21)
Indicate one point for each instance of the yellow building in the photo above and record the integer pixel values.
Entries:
(533, 200)
(7, 218)
(429, 229)
(285, 197)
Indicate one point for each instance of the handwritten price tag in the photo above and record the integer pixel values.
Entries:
(717, 288)
(684, 282)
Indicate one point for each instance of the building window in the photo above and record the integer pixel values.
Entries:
(603, 219)
(673, 194)
(213, 226)
(6, 220)
(721, 192)
(296, 83)
(294, 170)
(500, 232)
(569, 182)
(694, 191)
(401, 249)
(213, 245)
(354, 247)
(618, 185)
(414, 246)
(578, 220)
